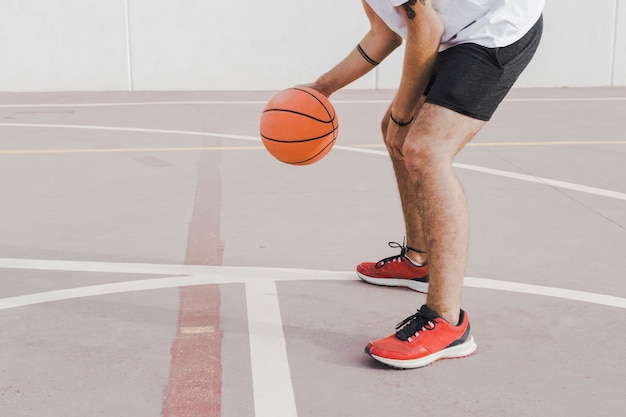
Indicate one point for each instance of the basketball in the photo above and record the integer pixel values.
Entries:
(299, 126)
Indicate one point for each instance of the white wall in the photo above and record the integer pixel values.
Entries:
(56, 45)
(62, 45)
(578, 45)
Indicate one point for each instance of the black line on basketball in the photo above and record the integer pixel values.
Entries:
(331, 143)
(318, 100)
(301, 114)
(299, 140)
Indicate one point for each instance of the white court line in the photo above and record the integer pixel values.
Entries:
(227, 273)
(507, 174)
(248, 275)
(204, 275)
(546, 181)
(134, 129)
(263, 102)
(131, 103)
(566, 99)
(271, 374)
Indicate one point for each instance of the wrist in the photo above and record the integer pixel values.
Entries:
(400, 122)
(323, 88)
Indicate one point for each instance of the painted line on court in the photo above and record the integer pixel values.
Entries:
(134, 103)
(546, 181)
(134, 129)
(263, 102)
(126, 150)
(353, 148)
(191, 275)
(513, 175)
(549, 143)
(529, 143)
(194, 385)
(271, 374)
(272, 387)
(566, 99)
(496, 172)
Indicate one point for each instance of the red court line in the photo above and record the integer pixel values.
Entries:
(194, 388)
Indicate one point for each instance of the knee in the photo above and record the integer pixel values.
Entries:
(416, 160)
(423, 158)
(384, 125)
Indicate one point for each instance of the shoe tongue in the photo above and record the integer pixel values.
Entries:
(412, 324)
(428, 313)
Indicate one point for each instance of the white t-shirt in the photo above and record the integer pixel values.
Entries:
(490, 23)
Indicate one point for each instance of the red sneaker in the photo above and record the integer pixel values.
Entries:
(422, 339)
(395, 271)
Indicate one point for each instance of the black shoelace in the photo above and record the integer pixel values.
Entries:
(410, 326)
(403, 249)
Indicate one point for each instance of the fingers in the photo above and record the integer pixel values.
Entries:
(394, 140)
(314, 86)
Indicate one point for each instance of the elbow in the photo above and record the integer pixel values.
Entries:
(428, 30)
(431, 32)
(389, 37)
(435, 30)
(438, 30)
(395, 40)
(428, 36)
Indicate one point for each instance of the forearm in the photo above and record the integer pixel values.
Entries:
(377, 44)
(421, 50)
(355, 65)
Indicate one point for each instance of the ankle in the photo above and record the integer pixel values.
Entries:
(451, 316)
(417, 256)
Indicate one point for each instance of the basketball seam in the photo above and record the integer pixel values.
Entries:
(332, 133)
(318, 100)
(314, 156)
(303, 114)
(299, 140)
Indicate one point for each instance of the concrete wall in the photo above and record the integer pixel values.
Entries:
(56, 45)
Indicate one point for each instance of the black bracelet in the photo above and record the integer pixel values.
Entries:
(365, 56)
(400, 123)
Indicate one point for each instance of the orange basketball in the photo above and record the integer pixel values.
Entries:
(299, 126)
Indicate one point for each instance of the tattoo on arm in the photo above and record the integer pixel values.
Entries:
(408, 7)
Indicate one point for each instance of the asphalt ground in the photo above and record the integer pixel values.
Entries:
(157, 261)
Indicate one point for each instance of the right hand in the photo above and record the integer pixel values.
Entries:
(316, 87)
(395, 136)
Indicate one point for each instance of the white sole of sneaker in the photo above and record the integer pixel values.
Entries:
(392, 282)
(458, 351)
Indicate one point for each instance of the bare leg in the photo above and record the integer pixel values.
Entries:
(433, 141)
(408, 197)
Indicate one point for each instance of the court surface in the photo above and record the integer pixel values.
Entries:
(156, 261)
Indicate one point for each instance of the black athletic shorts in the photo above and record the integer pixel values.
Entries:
(472, 79)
